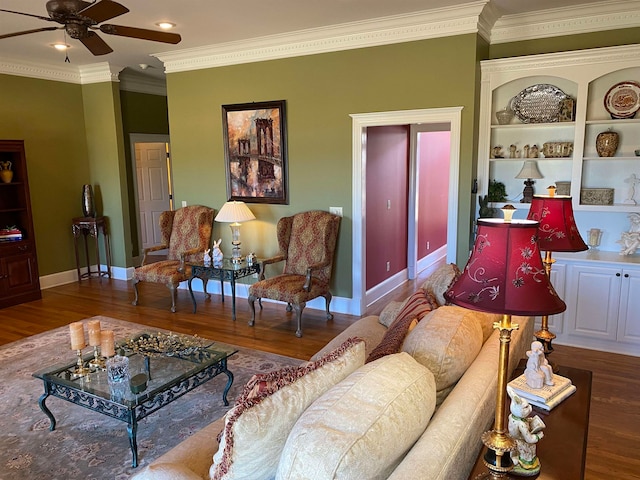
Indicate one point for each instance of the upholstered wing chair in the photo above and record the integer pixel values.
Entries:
(307, 244)
(186, 234)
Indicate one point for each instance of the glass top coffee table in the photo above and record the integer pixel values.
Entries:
(169, 376)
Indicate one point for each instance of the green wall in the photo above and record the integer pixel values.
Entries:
(141, 113)
(49, 117)
(321, 91)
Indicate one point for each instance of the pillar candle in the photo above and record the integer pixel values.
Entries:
(76, 330)
(107, 343)
(94, 332)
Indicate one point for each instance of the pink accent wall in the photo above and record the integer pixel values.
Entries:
(433, 190)
(387, 177)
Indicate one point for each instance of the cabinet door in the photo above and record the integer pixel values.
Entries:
(629, 321)
(595, 297)
(20, 274)
(556, 322)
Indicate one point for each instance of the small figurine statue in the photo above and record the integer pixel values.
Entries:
(534, 152)
(538, 371)
(631, 240)
(526, 431)
(512, 151)
(497, 152)
(250, 258)
(633, 181)
(217, 253)
(207, 257)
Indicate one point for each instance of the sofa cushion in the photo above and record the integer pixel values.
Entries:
(363, 426)
(390, 312)
(367, 328)
(446, 341)
(257, 426)
(440, 281)
(417, 306)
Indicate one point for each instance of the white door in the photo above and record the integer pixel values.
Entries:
(153, 187)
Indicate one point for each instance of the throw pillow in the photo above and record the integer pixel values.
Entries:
(417, 306)
(257, 426)
(363, 426)
(390, 312)
(440, 281)
(446, 342)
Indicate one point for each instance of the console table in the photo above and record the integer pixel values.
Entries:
(563, 449)
(229, 271)
(92, 226)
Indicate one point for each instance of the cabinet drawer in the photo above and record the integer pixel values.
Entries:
(15, 248)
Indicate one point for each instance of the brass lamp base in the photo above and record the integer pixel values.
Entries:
(497, 458)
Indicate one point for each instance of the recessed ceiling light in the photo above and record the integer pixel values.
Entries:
(60, 46)
(166, 25)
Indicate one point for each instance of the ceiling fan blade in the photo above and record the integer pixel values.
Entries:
(28, 15)
(95, 44)
(141, 33)
(35, 30)
(103, 10)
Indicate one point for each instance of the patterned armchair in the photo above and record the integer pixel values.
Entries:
(307, 244)
(186, 233)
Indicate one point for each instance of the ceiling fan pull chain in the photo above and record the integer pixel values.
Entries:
(66, 52)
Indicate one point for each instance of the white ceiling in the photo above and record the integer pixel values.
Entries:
(208, 23)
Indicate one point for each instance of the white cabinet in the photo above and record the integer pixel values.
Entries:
(603, 302)
(585, 76)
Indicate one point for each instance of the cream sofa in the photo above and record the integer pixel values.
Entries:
(445, 449)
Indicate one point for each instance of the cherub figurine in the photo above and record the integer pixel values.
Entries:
(630, 240)
(538, 371)
(217, 253)
(207, 257)
(526, 431)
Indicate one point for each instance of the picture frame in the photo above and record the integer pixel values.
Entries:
(255, 149)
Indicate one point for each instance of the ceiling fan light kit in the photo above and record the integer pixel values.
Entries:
(80, 20)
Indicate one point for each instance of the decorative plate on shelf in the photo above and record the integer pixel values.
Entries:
(540, 103)
(623, 99)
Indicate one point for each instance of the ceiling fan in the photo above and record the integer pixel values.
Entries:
(80, 19)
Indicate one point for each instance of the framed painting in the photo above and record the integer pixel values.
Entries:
(255, 148)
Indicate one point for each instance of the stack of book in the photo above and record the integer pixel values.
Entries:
(546, 397)
(10, 234)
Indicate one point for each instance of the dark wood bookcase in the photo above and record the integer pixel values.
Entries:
(19, 280)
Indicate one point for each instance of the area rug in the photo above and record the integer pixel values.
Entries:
(86, 444)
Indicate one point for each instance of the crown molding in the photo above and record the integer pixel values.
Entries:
(99, 72)
(423, 25)
(94, 73)
(58, 73)
(596, 17)
(627, 54)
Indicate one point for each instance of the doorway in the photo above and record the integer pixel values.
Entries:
(451, 117)
(152, 185)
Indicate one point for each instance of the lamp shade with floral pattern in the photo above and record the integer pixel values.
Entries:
(558, 231)
(505, 273)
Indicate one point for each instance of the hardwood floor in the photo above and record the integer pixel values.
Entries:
(614, 427)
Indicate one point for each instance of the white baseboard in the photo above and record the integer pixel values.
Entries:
(70, 276)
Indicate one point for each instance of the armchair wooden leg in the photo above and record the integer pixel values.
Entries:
(172, 289)
(135, 290)
(252, 299)
(327, 299)
(298, 309)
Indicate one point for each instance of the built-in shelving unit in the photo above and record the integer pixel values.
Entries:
(586, 76)
(19, 281)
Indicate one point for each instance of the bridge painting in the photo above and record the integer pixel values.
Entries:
(255, 152)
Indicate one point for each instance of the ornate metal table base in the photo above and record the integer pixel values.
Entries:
(131, 412)
(229, 271)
